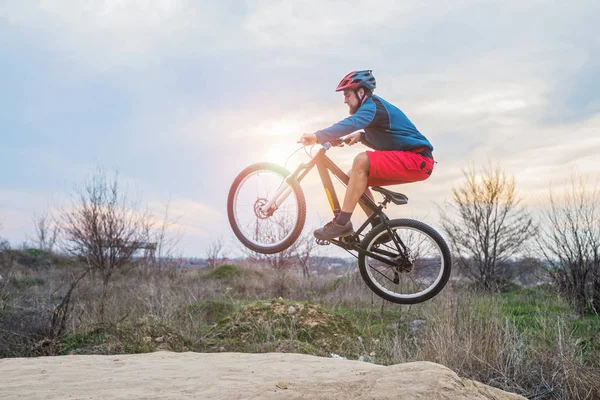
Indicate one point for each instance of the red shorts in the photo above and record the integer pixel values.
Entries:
(396, 167)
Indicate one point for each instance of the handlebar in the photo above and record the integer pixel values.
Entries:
(336, 143)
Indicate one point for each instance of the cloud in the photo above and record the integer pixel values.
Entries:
(577, 95)
(18, 208)
(107, 34)
(180, 95)
(188, 214)
(194, 224)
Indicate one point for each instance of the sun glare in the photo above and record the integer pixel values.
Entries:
(280, 140)
(279, 152)
(282, 128)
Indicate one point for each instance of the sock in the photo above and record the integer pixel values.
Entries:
(343, 218)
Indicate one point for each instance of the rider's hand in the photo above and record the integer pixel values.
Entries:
(352, 138)
(308, 138)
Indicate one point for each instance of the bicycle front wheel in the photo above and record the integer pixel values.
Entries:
(422, 259)
(265, 232)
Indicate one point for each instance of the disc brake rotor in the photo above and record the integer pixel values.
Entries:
(258, 208)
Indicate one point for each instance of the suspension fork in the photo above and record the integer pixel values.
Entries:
(285, 189)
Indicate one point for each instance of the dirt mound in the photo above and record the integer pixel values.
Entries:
(286, 327)
(166, 375)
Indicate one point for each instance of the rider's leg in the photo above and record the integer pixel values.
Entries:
(369, 194)
(358, 182)
(341, 225)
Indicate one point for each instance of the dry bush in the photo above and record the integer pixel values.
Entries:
(46, 232)
(106, 230)
(32, 314)
(562, 363)
(469, 333)
(215, 252)
(570, 243)
(349, 290)
(486, 224)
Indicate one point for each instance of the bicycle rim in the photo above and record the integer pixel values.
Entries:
(260, 230)
(423, 257)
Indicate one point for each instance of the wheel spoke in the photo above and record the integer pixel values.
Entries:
(261, 229)
(421, 270)
(381, 273)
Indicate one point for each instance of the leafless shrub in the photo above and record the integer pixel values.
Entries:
(485, 224)
(215, 251)
(307, 252)
(166, 240)
(301, 254)
(105, 230)
(62, 312)
(46, 231)
(570, 243)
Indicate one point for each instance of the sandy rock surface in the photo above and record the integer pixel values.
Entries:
(167, 375)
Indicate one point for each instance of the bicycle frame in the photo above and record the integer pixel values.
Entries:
(324, 165)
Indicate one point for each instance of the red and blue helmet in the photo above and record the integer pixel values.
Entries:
(357, 79)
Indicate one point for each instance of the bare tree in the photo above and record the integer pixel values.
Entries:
(165, 239)
(301, 253)
(105, 229)
(278, 228)
(308, 252)
(215, 251)
(485, 224)
(570, 243)
(278, 261)
(46, 231)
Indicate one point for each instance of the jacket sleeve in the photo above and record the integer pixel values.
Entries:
(360, 120)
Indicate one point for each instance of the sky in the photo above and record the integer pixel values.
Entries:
(178, 96)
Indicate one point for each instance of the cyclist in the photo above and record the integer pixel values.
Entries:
(401, 154)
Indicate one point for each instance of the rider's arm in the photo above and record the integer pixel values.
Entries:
(360, 120)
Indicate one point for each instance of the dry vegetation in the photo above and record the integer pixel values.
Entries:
(523, 341)
(104, 297)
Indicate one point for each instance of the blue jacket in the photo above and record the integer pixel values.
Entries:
(385, 126)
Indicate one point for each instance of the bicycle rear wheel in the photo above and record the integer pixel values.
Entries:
(265, 232)
(422, 257)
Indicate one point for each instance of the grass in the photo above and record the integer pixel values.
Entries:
(521, 340)
(211, 311)
(75, 342)
(25, 282)
(225, 271)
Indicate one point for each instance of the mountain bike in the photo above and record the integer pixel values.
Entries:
(402, 260)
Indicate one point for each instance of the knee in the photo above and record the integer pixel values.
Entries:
(361, 163)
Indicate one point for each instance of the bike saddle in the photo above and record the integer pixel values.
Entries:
(396, 198)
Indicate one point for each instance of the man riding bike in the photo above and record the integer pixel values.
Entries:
(401, 154)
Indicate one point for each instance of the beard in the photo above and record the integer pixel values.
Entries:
(353, 110)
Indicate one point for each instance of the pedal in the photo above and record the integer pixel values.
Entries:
(349, 239)
(323, 242)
